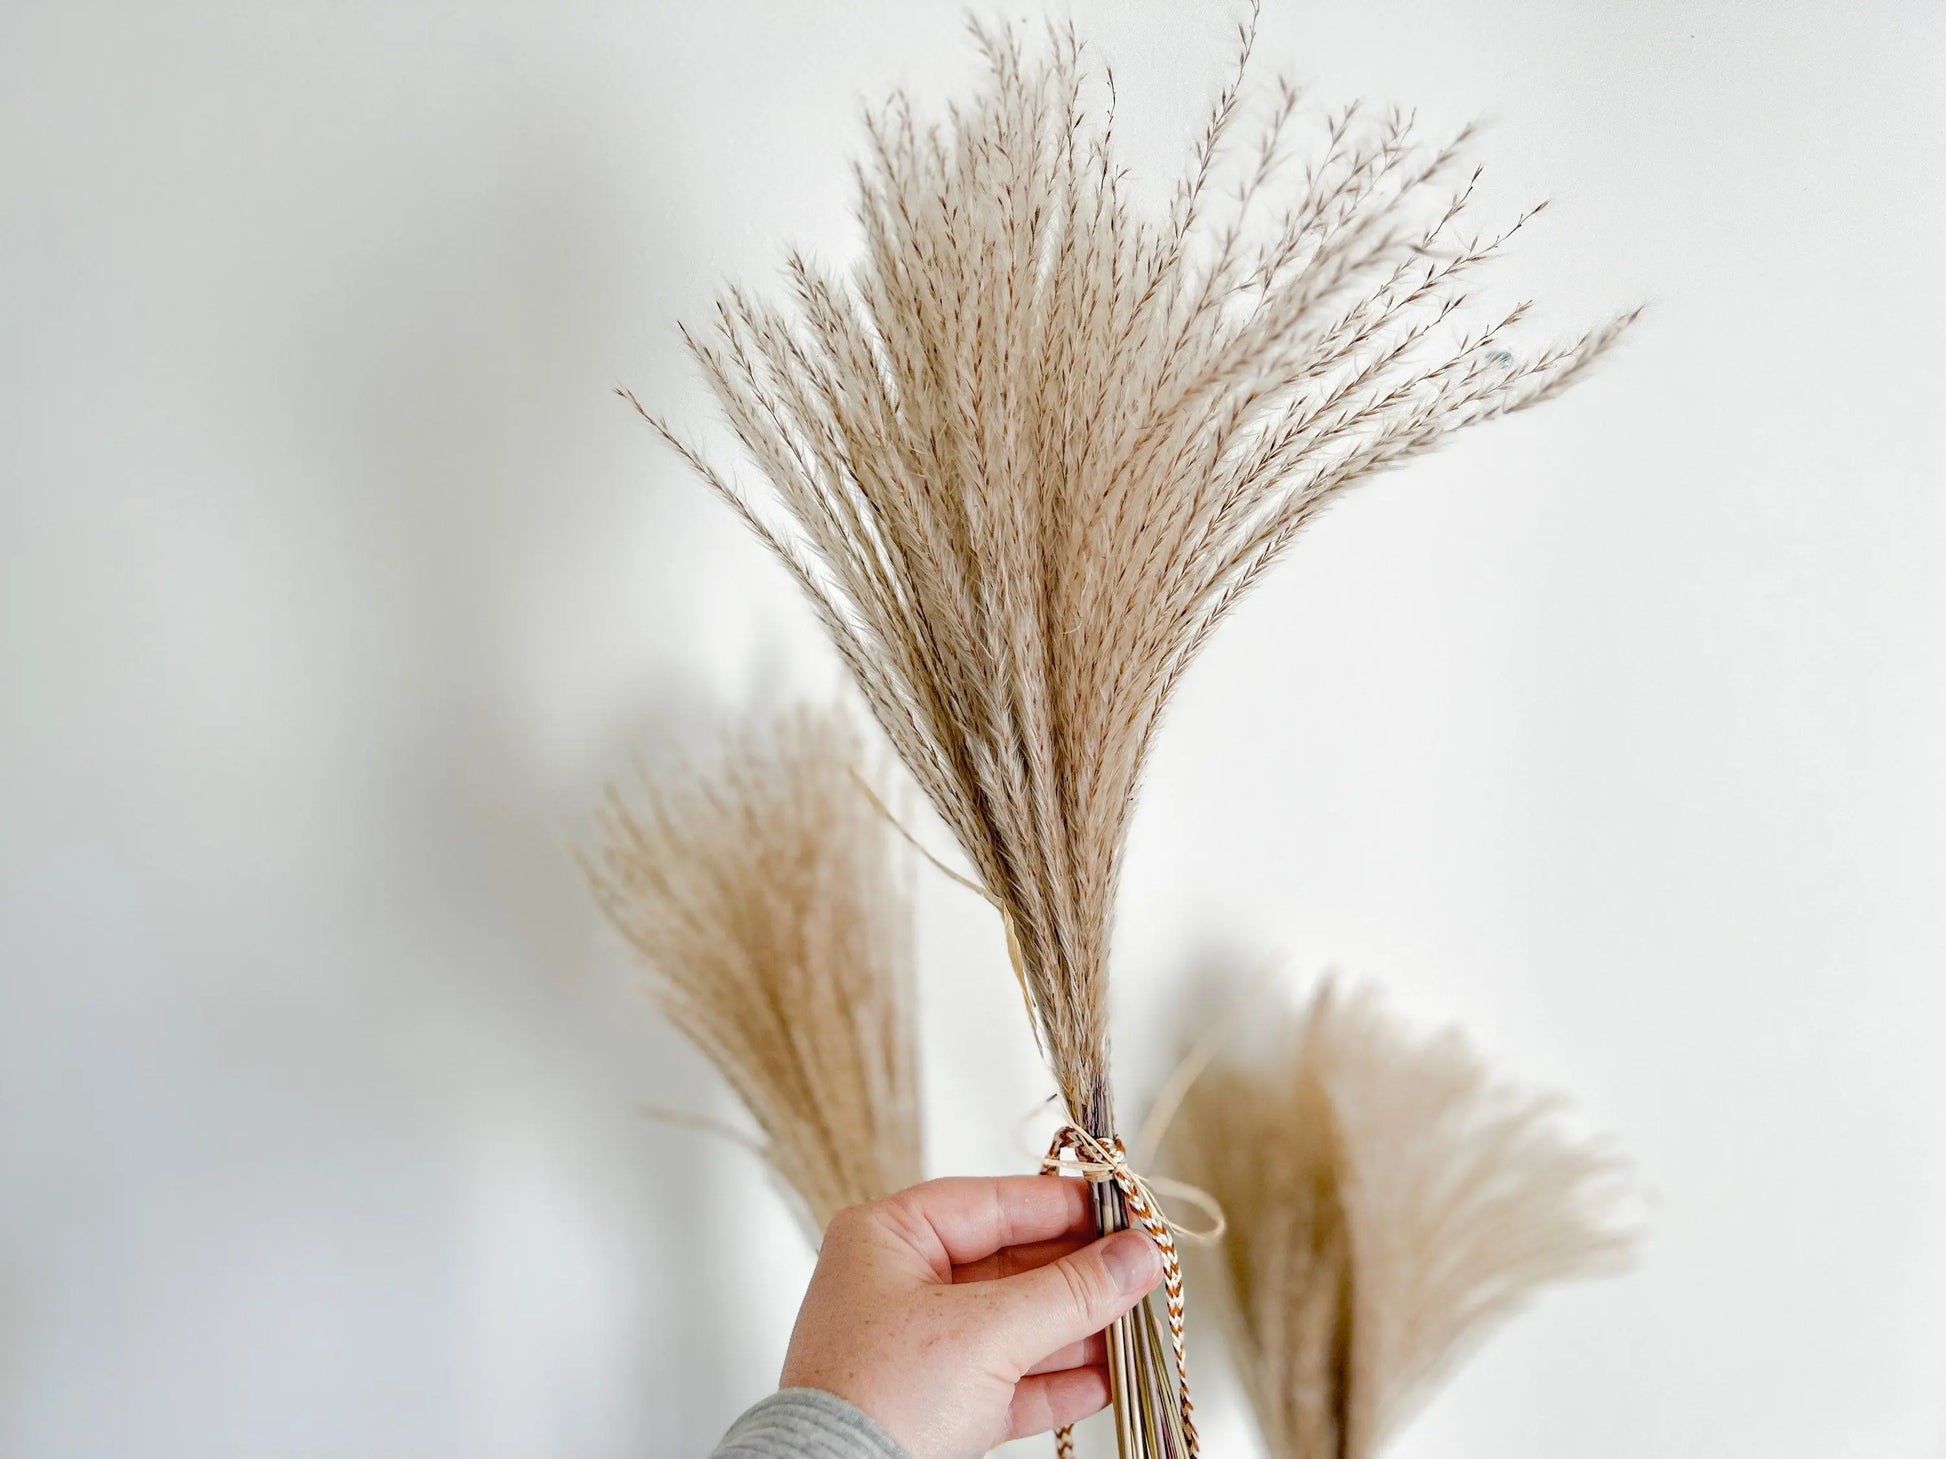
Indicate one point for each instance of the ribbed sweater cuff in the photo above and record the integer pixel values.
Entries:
(806, 1423)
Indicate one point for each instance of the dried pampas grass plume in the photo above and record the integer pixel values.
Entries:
(765, 899)
(1027, 453)
(1040, 439)
(1390, 1203)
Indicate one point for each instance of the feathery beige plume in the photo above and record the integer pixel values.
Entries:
(1390, 1202)
(766, 900)
(1027, 453)
(1031, 448)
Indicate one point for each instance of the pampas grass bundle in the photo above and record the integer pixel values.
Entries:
(1028, 453)
(1390, 1203)
(765, 899)
(1038, 443)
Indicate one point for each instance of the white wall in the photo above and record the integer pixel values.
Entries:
(335, 583)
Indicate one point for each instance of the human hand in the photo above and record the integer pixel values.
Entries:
(963, 1313)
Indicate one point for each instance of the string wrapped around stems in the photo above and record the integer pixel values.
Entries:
(1135, 1358)
(1031, 449)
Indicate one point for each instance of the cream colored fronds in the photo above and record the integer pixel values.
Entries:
(1038, 440)
(1390, 1203)
(765, 897)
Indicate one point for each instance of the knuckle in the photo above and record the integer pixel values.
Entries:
(1030, 1412)
(844, 1227)
(916, 1198)
(903, 1218)
(904, 1213)
(1086, 1282)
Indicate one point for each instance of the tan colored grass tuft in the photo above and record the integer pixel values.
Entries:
(1390, 1203)
(765, 898)
(1029, 450)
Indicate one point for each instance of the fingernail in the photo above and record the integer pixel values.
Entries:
(1134, 1265)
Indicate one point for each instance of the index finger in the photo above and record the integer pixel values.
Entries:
(975, 1216)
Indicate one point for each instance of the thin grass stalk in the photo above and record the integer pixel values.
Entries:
(1130, 1438)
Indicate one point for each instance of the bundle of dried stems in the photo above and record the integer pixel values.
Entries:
(1042, 439)
(766, 899)
(1390, 1203)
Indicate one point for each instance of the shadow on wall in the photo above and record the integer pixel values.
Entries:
(479, 476)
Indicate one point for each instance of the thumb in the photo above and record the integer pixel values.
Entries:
(1065, 1301)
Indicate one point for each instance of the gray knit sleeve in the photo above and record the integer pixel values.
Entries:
(806, 1423)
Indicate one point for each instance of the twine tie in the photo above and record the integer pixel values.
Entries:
(1096, 1161)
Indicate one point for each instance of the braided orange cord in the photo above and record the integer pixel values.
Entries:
(1097, 1161)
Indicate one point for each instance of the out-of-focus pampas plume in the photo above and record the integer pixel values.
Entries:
(768, 903)
(1027, 453)
(1390, 1202)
